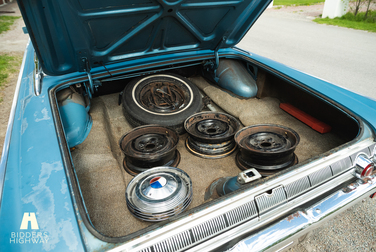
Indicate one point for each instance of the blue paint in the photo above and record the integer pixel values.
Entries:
(77, 122)
(35, 179)
(231, 185)
(233, 75)
(106, 32)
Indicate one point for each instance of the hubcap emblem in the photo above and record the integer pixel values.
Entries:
(158, 182)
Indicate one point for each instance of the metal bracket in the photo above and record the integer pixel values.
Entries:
(216, 55)
(247, 176)
(86, 67)
(93, 85)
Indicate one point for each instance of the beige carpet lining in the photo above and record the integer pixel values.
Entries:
(98, 161)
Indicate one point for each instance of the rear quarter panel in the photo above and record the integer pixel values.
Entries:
(35, 181)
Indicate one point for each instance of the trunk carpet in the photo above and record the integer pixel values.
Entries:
(98, 161)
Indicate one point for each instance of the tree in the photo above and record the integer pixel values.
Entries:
(358, 4)
(368, 5)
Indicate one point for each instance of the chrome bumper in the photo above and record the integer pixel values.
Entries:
(284, 233)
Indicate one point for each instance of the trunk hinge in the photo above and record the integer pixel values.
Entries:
(93, 85)
(214, 66)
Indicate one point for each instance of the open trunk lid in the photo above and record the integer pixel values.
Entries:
(77, 35)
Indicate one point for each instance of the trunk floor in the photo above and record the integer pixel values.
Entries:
(103, 181)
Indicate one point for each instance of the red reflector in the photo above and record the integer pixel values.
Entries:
(367, 171)
(305, 118)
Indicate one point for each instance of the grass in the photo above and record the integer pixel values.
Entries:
(9, 65)
(297, 2)
(6, 22)
(350, 21)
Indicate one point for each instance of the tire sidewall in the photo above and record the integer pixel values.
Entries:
(144, 116)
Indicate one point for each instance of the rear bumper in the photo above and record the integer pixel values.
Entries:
(285, 232)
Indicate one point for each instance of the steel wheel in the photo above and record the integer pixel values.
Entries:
(149, 146)
(211, 135)
(268, 148)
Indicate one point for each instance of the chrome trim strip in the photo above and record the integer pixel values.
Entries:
(303, 221)
(267, 201)
(341, 165)
(297, 187)
(320, 176)
(4, 156)
(242, 213)
(209, 228)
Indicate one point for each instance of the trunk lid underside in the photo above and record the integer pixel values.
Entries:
(78, 35)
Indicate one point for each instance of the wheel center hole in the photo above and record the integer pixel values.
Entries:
(149, 146)
(265, 144)
(211, 131)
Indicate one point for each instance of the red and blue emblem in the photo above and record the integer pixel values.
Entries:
(158, 182)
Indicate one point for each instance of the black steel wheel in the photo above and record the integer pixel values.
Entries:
(211, 134)
(163, 99)
(149, 146)
(265, 173)
(268, 148)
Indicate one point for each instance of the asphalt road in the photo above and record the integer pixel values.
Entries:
(344, 57)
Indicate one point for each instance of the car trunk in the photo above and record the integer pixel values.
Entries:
(98, 161)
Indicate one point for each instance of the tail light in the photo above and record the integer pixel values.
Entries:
(363, 166)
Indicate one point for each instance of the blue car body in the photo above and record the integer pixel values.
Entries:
(36, 185)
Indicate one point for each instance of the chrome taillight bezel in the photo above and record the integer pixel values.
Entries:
(364, 165)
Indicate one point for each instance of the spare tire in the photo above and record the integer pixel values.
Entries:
(163, 99)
